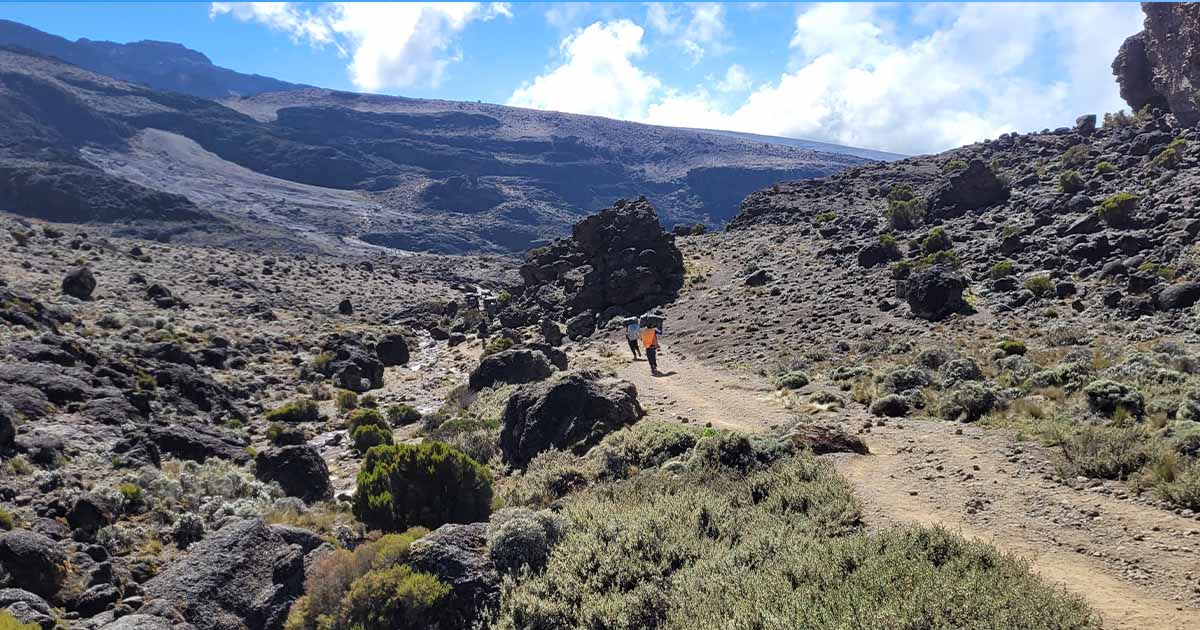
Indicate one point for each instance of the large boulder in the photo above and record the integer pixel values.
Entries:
(392, 350)
(199, 443)
(934, 293)
(967, 189)
(510, 367)
(8, 424)
(620, 258)
(245, 576)
(31, 562)
(1179, 296)
(299, 470)
(573, 411)
(458, 556)
(352, 366)
(79, 283)
(1160, 66)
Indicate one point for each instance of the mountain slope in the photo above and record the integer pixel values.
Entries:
(160, 65)
(422, 174)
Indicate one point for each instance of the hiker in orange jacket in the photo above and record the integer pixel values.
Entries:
(650, 343)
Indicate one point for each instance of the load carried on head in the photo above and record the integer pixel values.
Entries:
(652, 320)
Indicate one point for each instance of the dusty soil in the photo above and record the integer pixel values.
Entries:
(1137, 565)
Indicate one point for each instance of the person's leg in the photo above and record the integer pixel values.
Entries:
(633, 347)
(652, 358)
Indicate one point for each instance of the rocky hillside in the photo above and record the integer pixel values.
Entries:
(161, 65)
(315, 169)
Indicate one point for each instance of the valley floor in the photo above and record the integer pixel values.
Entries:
(1137, 565)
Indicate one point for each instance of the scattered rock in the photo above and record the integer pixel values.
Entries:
(299, 470)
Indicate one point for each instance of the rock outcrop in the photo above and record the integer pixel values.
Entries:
(299, 470)
(571, 412)
(32, 562)
(510, 367)
(935, 293)
(1160, 66)
(619, 261)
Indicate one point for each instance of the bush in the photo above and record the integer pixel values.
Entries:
(1110, 398)
(905, 214)
(1103, 452)
(1106, 167)
(403, 415)
(295, 412)
(968, 402)
(523, 539)
(551, 476)
(6, 520)
(131, 495)
(936, 241)
(1184, 490)
(1162, 271)
(398, 598)
(1040, 285)
(792, 380)
(781, 548)
(427, 484)
(1171, 156)
(954, 165)
(1118, 210)
(366, 417)
(890, 247)
(497, 344)
(1002, 269)
(651, 443)
(9, 622)
(346, 400)
(368, 436)
(1071, 182)
(1076, 155)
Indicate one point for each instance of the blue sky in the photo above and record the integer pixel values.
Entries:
(902, 77)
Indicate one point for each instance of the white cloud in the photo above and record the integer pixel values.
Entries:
(390, 45)
(698, 29)
(973, 71)
(597, 75)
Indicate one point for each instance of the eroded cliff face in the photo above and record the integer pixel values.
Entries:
(1160, 66)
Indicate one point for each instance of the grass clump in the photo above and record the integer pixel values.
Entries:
(954, 165)
(905, 210)
(427, 484)
(402, 414)
(1106, 167)
(7, 521)
(936, 241)
(496, 345)
(794, 379)
(9, 622)
(295, 411)
(778, 548)
(1162, 271)
(1118, 210)
(1040, 285)
(1076, 155)
(1002, 269)
(1011, 347)
(346, 401)
(1071, 182)
(1103, 452)
(1171, 156)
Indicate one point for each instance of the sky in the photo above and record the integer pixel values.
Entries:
(908, 78)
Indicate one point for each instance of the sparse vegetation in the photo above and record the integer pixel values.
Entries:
(1118, 210)
(905, 210)
(1077, 155)
(402, 415)
(954, 165)
(346, 400)
(1040, 285)
(1071, 182)
(1172, 156)
(296, 411)
(936, 241)
(1002, 269)
(1106, 167)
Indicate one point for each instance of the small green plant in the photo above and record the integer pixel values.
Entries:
(497, 344)
(938, 258)
(504, 297)
(369, 435)
(365, 417)
(321, 362)
(427, 484)
(234, 424)
(1171, 156)
(1076, 155)
(794, 379)
(9, 622)
(1106, 167)
(1118, 210)
(1002, 269)
(402, 414)
(1011, 347)
(1071, 182)
(1040, 285)
(7, 521)
(936, 241)
(1117, 120)
(825, 217)
(954, 165)
(1162, 271)
(296, 411)
(902, 269)
(346, 400)
(131, 494)
(905, 214)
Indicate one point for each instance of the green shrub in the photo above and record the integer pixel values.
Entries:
(782, 548)
(398, 598)
(7, 521)
(1117, 120)
(368, 436)
(1110, 398)
(497, 344)
(1076, 155)
(131, 494)
(1184, 490)
(1162, 271)
(1103, 452)
(1040, 285)
(551, 476)
(296, 411)
(403, 415)
(954, 165)
(888, 242)
(905, 214)
(1002, 269)
(427, 484)
(523, 539)
(825, 217)
(903, 269)
(9, 622)
(368, 401)
(938, 258)
(365, 417)
(1106, 167)
(346, 400)
(794, 379)
(936, 241)
(1118, 210)
(1071, 182)
(1171, 156)
(1011, 347)
(321, 362)
(651, 443)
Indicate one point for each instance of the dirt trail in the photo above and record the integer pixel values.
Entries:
(1136, 564)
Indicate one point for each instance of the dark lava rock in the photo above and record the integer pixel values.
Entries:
(89, 513)
(581, 326)
(822, 439)
(8, 424)
(511, 367)
(935, 293)
(570, 412)
(299, 470)
(345, 307)
(96, 599)
(392, 350)
(200, 443)
(27, 607)
(79, 283)
(1160, 66)
(31, 562)
(967, 189)
(60, 385)
(1179, 296)
(353, 367)
(139, 621)
(619, 258)
(552, 332)
(244, 576)
(758, 278)
(458, 556)
(877, 253)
